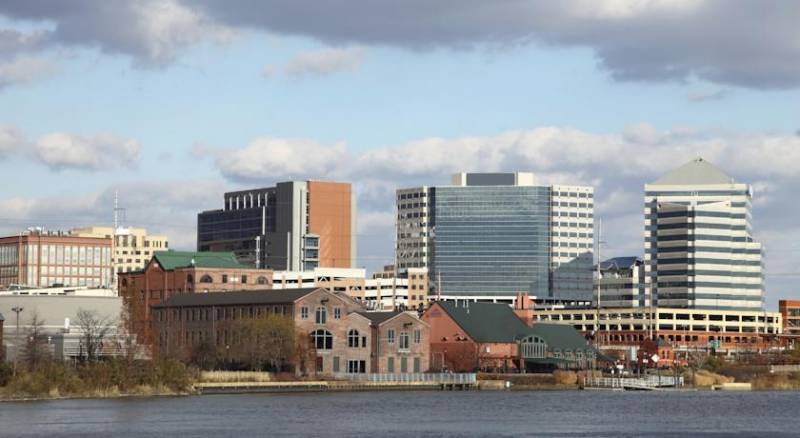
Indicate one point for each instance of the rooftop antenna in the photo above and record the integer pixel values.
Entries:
(117, 211)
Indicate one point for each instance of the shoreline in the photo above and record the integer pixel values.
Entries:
(340, 387)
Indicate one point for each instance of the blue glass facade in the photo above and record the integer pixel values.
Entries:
(490, 240)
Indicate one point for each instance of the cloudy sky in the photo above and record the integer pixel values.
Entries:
(173, 102)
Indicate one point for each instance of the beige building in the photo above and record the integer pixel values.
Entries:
(132, 247)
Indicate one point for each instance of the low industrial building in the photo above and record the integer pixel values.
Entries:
(790, 312)
(179, 272)
(344, 337)
(494, 337)
(57, 312)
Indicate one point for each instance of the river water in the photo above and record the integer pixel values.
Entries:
(414, 414)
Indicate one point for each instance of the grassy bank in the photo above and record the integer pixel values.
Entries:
(108, 378)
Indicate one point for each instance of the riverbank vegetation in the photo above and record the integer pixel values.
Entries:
(37, 374)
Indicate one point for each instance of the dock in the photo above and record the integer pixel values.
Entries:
(350, 382)
(647, 383)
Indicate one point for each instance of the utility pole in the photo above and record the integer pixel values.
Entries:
(599, 260)
(17, 310)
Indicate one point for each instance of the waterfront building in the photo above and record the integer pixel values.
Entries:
(790, 312)
(470, 336)
(344, 337)
(41, 258)
(488, 236)
(57, 312)
(293, 226)
(699, 248)
(685, 329)
(171, 273)
(621, 283)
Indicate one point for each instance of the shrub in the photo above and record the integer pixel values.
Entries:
(565, 377)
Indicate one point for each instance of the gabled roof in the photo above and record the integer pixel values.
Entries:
(559, 336)
(620, 262)
(486, 322)
(378, 318)
(170, 260)
(241, 297)
(695, 172)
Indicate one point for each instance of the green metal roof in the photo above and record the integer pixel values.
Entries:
(559, 336)
(486, 322)
(170, 260)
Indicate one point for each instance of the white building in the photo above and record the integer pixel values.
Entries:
(379, 293)
(699, 248)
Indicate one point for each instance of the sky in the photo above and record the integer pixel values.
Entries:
(170, 103)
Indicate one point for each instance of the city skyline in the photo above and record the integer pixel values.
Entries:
(174, 113)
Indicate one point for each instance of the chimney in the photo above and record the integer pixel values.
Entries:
(523, 308)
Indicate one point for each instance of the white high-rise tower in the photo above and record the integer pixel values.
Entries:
(699, 247)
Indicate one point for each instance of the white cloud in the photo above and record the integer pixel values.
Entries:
(61, 150)
(319, 63)
(268, 159)
(24, 70)
(11, 140)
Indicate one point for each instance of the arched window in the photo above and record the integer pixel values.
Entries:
(124, 282)
(533, 347)
(322, 315)
(352, 338)
(189, 279)
(206, 279)
(261, 280)
(323, 339)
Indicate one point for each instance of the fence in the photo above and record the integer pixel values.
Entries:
(647, 382)
(440, 378)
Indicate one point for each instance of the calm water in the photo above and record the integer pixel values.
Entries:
(428, 414)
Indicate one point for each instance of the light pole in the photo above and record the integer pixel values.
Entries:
(17, 310)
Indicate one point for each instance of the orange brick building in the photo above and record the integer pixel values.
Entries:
(293, 226)
(43, 259)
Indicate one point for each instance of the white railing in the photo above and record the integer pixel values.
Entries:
(647, 382)
(441, 378)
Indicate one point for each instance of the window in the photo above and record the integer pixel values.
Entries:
(323, 340)
(390, 336)
(206, 279)
(356, 366)
(403, 341)
(321, 315)
(189, 279)
(261, 280)
(390, 365)
(244, 279)
(417, 336)
(304, 312)
(337, 313)
(224, 278)
(352, 338)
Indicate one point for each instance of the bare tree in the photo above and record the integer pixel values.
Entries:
(264, 343)
(35, 350)
(94, 330)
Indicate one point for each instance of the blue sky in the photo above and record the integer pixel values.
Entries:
(171, 102)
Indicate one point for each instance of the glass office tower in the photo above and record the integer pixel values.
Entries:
(489, 236)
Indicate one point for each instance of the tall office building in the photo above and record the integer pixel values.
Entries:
(488, 236)
(295, 226)
(699, 248)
